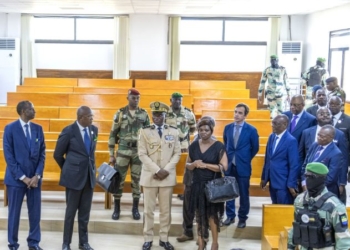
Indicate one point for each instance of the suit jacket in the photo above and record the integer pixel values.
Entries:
(20, 159)
(77, 165)
(312, 110)
(308, 139)
(247, 147)
(281, 168)
(305, 121)
(331, 157)
(156, 153)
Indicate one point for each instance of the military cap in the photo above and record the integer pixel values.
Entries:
(316, 87)
(317, 168)
(321, 59)
(159, 107)
(273, 57)
(176, 95)
(133, 92)
(331, 79)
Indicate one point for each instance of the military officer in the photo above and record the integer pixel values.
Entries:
(321, 221)
(159, 151)
(277, 86)
(182, 118)
(335, 90)
(126, 124)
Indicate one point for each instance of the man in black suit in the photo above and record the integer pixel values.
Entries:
(75, 155)
(321, 101)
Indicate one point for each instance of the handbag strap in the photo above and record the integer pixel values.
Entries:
(221, 170)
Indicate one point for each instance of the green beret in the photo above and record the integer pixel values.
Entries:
(176, 95)
(331, 79)
(321, 59)
(273, 57)
(317, 168)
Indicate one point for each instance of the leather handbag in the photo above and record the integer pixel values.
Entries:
(108, 178)
(221, 189)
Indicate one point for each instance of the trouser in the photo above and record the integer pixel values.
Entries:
(275, 104)
(15, 198)
(126, 158)
(78, 200)
(280, 196)
(244, 203)
(342, 197)
(150, 195)
(187, 213)
(308, 97)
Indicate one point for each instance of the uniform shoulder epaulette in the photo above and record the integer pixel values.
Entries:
(147, 126)
(143, 110)
(188, 109)
(122, 109)
(171, 126)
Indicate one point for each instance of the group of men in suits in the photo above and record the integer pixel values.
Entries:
(320, 134)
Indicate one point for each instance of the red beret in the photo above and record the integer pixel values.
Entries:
(133, 92)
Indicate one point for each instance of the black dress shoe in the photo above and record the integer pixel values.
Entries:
(35, 248)
(147, 245)
(166, 245)
(241, 224)
(65, 247)
(85, 246)
(228, 221)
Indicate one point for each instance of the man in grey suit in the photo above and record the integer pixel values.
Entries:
(321, 101)
(75, 155)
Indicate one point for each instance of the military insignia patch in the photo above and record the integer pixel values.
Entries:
(343, 220)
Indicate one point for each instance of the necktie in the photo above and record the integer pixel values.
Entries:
(318, 153)
(87, 141)
(236, 137)
(333, 120)
(294, 123)
(160, 131)
(27, 134)
(274, 144)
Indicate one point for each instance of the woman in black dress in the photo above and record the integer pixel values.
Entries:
(206, 157)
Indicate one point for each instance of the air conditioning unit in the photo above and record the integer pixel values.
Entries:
(290, 57)
(9, 66)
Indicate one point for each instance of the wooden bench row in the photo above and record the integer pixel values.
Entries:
(139, 83)
(277, 220)
(56, 125)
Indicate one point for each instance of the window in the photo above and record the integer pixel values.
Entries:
(223, 44)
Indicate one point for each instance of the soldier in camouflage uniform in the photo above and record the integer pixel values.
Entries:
(334, 90)
(126, 124)
(316, 75)
(320, 217)
(182, 118)
(277, 86)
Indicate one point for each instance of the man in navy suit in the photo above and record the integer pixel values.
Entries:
(299, 119)
(75, 155)
(326, 152)
(242, 143)
(321, 101)
(281, 167)
(24, 150)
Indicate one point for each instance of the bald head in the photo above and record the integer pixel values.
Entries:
(84, 116)
(279, 124)
(335, 104)
(297, 104)
(325, 135)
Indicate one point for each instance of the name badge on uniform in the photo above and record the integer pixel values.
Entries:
(169, 138)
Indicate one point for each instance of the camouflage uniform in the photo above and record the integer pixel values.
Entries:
(332, 211)
(125, 128)
(277, 80)
(184, 121)
(340, 93)
(306, 77)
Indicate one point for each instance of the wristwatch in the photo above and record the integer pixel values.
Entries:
(38, 175)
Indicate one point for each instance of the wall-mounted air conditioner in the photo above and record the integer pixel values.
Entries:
(9, 66)
(290, 57)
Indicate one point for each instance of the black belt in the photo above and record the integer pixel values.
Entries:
(129, 144)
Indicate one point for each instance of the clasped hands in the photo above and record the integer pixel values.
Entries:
(199, 164)
(31, 182)
(161, 174)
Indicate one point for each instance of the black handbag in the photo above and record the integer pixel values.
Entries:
(221, 189)
(108, 178)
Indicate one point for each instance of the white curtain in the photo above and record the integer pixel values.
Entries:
(27, 47)
(272, 43)
(121, 48)
(173, 72)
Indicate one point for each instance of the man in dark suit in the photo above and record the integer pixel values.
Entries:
(299, 119)
(75, 155)
(24, 150)
(326, 152)
(321, 101)
(242, 143)
(281, 167)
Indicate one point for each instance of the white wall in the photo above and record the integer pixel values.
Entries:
(148, 42)
(10, 25)
(317, 27)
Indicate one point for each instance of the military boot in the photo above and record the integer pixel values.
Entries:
(116, 213)
(135, 209)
